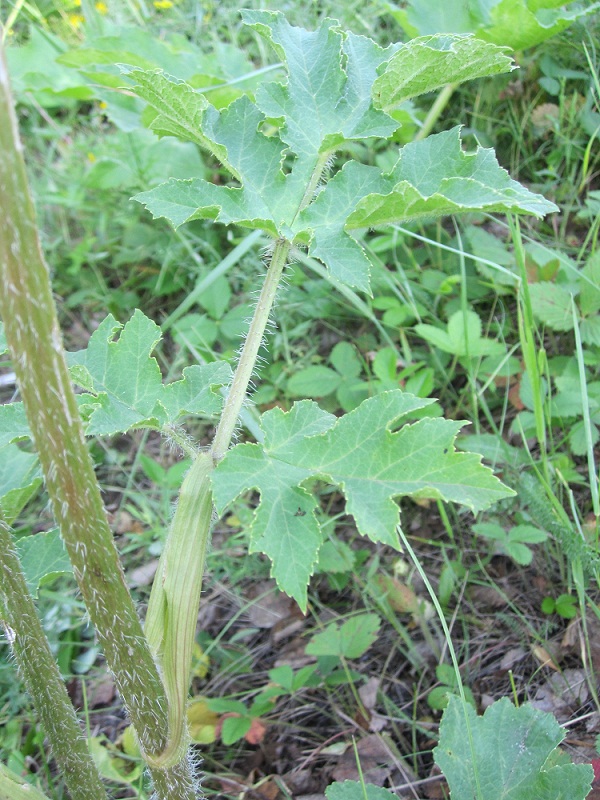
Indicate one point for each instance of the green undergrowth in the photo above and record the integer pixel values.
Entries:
(499, 323)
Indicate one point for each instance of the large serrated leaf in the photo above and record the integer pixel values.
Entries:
(180, 110)
(430, 62)
(125, 385)
(336, 100)
(516, 23)
(507, 754)
(278, 147)
(284, 526)
(436, 177)
(365, 457)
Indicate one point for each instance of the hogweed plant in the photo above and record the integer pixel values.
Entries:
(287, 152)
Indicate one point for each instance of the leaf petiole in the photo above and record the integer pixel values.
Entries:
(241, 379)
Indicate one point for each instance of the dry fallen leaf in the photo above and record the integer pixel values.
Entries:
(267, 790)
(257, 731)
(269, 605)
(368, 693)
(563, 693)
(511, 657)
(142, 576)
(544, 657)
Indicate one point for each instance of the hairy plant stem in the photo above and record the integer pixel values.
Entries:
(34, 339)
(42, 679)
(247, 362)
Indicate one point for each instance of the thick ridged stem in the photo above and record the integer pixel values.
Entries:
(42, 679)
(33, 335)
(245, 368)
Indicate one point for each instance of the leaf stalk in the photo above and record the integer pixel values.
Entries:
(245, 368)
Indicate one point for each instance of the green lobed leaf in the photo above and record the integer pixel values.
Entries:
(430, 62)
(125, 382)
(338, 99)
(263, 201)
(516, 23)
(335, 99)
(325, 102)
(511, 755)
(351, 639)
(181, 111)
(462, 338)
(436, 177)
(325, 221)
(552, 305)
(284, 526)
(362, 454)
(43, 557)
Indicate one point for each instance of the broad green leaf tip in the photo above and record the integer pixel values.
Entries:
(338, 88)
(508, 753)
(361, 453)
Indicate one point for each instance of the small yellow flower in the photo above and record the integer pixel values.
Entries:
(75, 20)
(101, 8)
(91, 157)
(102, 105)
(163, 4)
